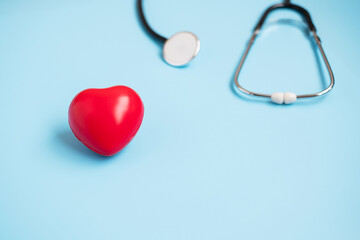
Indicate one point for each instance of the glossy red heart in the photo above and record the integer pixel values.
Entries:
(106, 120)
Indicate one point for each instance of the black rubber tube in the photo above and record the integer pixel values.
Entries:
(302, 11)
(146, 25)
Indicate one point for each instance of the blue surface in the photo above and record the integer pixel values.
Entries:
(206, 163)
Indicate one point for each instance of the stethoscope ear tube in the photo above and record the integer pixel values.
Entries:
(287, 5)
(285, 98)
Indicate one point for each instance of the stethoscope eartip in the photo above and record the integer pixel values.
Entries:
(181, 48)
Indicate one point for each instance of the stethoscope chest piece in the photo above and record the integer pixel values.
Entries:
(181, 48)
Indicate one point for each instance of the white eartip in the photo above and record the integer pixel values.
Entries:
(277, 98)
(289, 98)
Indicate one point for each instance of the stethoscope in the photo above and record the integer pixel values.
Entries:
(182, 47)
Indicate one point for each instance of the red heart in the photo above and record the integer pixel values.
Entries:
(106, 120)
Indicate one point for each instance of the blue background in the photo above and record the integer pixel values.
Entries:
(207, 162)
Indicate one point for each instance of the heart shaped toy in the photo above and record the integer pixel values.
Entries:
(106, 120)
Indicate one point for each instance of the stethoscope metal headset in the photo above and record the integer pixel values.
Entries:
(182, 47)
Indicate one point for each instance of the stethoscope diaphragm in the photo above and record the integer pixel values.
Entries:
(181, 48)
